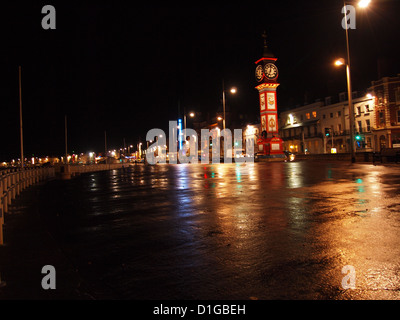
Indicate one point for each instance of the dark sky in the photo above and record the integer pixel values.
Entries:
(124, 67)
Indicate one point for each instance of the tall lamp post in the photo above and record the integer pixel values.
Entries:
(20, 118)
(341, 61)
(191, 114)
(233, 90)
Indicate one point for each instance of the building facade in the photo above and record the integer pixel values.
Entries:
(324, 127)
(387, 115)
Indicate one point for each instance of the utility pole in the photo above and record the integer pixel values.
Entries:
(20, 118)
(66, 141)
(105, 146)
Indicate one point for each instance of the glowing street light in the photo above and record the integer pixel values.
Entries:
(364, 3)
(340, 62)
(233, 90)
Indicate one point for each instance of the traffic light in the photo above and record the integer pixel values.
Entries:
(327, 132)
(358, 137)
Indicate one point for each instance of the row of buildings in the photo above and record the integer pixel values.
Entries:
(324, 126)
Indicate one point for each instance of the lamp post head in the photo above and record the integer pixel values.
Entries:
(233, 90)
(364, 3)
(339, 62)
(191, 114)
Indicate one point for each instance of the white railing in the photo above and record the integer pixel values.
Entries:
(13, 182)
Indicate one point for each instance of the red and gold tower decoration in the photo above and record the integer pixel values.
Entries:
(266, 73)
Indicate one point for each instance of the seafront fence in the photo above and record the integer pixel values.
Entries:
(13, 181)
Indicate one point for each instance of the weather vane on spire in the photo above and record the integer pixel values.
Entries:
(267, 52)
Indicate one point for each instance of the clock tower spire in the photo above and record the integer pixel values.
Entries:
(270, 146)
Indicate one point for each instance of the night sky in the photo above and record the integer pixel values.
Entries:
(125, 68)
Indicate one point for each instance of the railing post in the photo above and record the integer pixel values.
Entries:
(18, 186)
(1, 200)
(14, 185)
(9, 190)
(1, 227)
(23, 180)
(5, 193)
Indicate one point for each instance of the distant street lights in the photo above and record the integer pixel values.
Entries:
(340, 62)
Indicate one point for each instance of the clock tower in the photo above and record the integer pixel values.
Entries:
(270, 146)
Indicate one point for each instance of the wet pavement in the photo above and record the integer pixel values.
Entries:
(223, 231)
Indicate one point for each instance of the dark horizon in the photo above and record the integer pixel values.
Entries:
(127, 68)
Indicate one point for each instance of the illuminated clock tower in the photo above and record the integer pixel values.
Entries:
(266, 73)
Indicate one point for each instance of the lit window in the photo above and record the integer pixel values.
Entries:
(368, 125)
(359, 127)
(307, 115)
(314, 114)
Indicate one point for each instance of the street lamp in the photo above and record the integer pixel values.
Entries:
(364, 3)
(340, 62)
(191, 114)
(233, 90)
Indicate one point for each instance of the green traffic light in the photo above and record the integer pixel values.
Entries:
(358, 138)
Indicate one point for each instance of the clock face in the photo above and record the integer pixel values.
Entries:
(270, 71)
(259, 73)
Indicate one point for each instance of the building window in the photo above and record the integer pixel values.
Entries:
(339, 128)
(307, 115)
(323, 116)
(381, 117)
(367, 108)
(369, 144)
(368, 125)
(331, 115)
(339, 113)
(398, 96)
(359, 127)
(398, 116)
(359, 111)
(314, 114)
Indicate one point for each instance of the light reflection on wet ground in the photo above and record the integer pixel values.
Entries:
(232, 231)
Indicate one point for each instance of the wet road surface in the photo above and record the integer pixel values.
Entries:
(229, 231)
